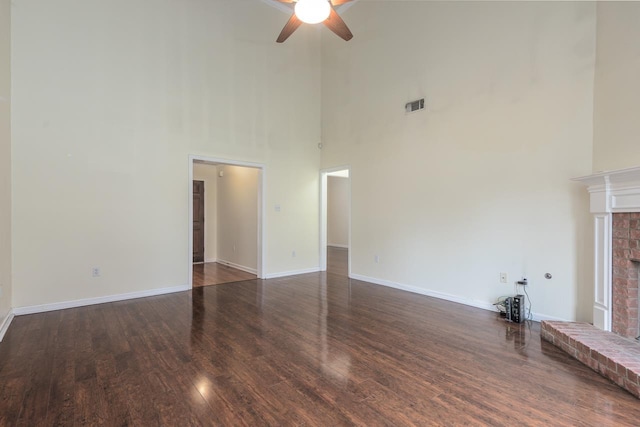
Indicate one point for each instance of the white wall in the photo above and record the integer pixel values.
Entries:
(480, 182)
(337, 211)
(111, 97)
(209, 174)
(617, 87)
(237, 225)
(5, 159)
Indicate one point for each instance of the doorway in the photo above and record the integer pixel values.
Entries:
(198, 221)
(335, 220)
(232, 230)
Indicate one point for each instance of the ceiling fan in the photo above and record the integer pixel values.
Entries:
(314, 12)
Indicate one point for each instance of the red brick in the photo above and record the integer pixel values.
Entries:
(632, 388)
(620, 281)
(634, 223)
(621, 220)
(583, 358)
(622, 253)
(621, 243)
(621, 262)
(632, 215)
(618, 379)
(621, 233)
(620, 271)
(633, 253)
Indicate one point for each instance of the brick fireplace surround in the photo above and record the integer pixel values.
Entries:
(609, 346)
(625, 257)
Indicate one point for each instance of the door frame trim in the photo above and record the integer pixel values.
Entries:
(323, 216)
(261, 240)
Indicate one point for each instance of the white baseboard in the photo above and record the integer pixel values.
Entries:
(291, 273)
(211, 260)
(18, 311)
(440, 295)
(4, 326)
(540, 317)
(238, 266)
(422, 291)
(336, 245)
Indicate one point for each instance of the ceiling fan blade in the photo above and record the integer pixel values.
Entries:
(336, 2)
(337, 25)
(292, 24)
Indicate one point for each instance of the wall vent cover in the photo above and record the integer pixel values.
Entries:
(412, 106)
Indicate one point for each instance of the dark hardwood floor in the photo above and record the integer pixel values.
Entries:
(213, 273)
(337, 260)
(315, 350)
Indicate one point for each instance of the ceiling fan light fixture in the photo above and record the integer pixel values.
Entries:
(312, 11)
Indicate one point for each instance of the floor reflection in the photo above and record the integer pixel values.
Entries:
(197, 314)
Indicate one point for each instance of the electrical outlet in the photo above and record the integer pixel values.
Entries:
(293, 254)
(234, 248)
(503, 278)
(1, 291)
(95, 272)
(376, 259)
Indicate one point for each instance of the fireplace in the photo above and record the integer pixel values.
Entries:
(625, 258)
(615, 205)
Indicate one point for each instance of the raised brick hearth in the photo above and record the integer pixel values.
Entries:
(625, 257)
(609, 354)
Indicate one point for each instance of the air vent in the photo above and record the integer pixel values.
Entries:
(412, 106)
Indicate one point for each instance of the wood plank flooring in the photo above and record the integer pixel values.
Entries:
(314, 350)
(213, 273)
(337, 260)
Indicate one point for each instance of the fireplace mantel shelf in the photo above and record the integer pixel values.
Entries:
(614, 191)
(619, 177)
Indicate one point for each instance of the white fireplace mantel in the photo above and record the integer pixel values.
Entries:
(610, 192)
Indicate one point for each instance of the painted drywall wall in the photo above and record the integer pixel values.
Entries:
(107, 107)
(337, 211)
(237, 226)
(5, 159)
(617, 87)
(479, 182)
(209, 174)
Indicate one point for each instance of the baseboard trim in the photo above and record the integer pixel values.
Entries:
(33, 309)
(4, 326)
(335, 245)
(292, 273)
(238, 266)
(537, 317)
(211, 260)
(426, 292)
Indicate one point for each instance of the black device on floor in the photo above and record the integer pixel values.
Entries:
(514, 309)
(517, 309)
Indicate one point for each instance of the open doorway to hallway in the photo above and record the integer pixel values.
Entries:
(335, 215)
(225, 211)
